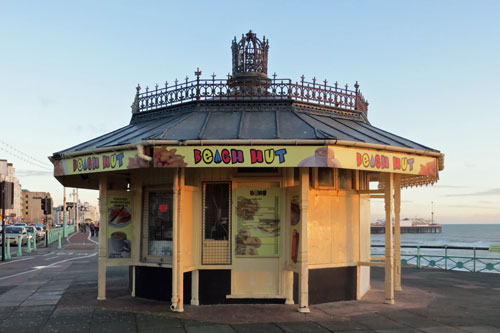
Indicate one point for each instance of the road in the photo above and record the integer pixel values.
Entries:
(20, 275)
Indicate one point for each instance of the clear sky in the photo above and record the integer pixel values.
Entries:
(430, 70)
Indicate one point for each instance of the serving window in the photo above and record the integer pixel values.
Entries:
(216, 249)
(158, 226)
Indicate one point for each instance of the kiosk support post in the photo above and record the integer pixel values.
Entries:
(101, 268)
(303, 247)
(389, 247)
(397, 233)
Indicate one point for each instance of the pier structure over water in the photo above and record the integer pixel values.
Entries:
(428, 229)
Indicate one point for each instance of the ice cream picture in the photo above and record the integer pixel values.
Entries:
(323, 157)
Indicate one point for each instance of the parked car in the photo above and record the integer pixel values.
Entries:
(43, 226)
(40, 232)
(21, 224)
(13, 232)
(31, 229)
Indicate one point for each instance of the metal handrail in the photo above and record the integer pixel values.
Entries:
(446, 261)
(53, 234)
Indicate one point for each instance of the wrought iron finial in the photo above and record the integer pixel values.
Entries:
(156, 87)
(147, 88)
(314, 80)
(302, 78)
(166, 84)
(197, 72)
(356, 86)
(176, 81)
(325, 82)
(213, 76)
(135, 104)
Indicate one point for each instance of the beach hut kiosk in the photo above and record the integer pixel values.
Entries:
(248, 188)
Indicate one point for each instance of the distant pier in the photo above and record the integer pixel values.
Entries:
(428, 229)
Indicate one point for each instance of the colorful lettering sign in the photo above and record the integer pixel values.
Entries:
(119, 228)
(112, 161)
(294, 156)
(257, 215)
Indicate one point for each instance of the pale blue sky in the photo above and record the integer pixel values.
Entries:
(430, 70)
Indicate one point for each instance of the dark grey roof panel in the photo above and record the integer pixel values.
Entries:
(136, 135)
(94, 142)
(406, 142)
(350, 133)
(221, 125)
(167, 124)
(254, 120)
(292, 126)
(188, 128)
(258, 125)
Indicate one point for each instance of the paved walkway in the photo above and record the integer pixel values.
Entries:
(62, 298)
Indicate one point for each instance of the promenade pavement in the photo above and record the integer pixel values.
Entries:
(62, 298)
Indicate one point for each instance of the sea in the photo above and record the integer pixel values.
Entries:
(457, 235)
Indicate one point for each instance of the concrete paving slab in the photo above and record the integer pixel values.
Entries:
(441, 329)
(34, 302)
(149, 321)
(210, 329)
(375, 321)
(67, 327)
(113, 327)
(305, 326)
(252, 328)
(163, 330)
(38, 308)
(103, 316)
(411, 319)
(400, 330)
(344, 325)
(43, 298)
(481, 329)
(9, 304)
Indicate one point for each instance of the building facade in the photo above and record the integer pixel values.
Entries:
(7, 173)
(32, 207)
(246, 189)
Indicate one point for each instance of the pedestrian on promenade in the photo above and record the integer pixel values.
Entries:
(92, 230)
(96, 230)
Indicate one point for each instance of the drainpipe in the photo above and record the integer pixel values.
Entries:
(140, 153)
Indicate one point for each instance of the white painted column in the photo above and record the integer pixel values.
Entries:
(177, 280)
(103, 253)
(195, 282)
(303, 243)
(133, 282)
(288, 276)
(389, 247)
(397, 233)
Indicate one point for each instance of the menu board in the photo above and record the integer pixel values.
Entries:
(119, 225)
(257, 222)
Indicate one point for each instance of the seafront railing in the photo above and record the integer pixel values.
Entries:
(471, 259)
(53, 234)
